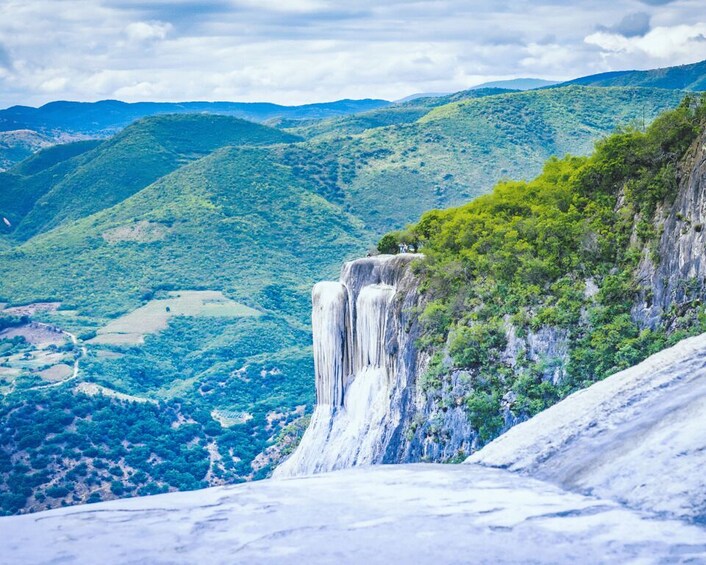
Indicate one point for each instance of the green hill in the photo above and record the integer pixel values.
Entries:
(390, 175)
(126, 163)
(26, 183)
(235, 220)
(47, 158)
(684, 77)
(25, 130)
(396, 114)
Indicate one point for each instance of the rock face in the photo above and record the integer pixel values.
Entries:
(372, 406)
(378, 403)
(679, 278)
(426, 514)
(638, 437)
(366, 365)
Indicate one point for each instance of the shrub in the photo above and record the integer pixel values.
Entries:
(478, 344)
(388, 244)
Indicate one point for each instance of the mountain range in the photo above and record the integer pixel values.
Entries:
(684, 77)
(24, 130)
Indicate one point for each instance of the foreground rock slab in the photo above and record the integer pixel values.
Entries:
(638, 437)
(383, 514)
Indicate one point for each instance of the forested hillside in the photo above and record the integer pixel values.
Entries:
(458, 150)
(684, 77)
(117, 168)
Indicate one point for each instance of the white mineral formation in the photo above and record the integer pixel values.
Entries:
(361, 358)
(421, 514)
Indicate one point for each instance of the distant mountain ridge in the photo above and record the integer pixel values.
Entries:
(24, 129)
(418, 95)
(107, 116)
(517, 84)
(683, 77)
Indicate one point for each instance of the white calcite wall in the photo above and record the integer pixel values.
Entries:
(364, 358)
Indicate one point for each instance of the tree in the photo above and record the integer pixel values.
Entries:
(389, 244)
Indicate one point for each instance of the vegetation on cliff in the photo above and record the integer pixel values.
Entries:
(554, 254)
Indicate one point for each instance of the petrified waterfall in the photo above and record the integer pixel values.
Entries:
(329, 327)
(365, 362)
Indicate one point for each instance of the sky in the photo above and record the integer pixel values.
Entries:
(301, 51)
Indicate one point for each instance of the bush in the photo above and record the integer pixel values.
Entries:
(58, 491)
(476, 345)
(388, 244)
(117, 488)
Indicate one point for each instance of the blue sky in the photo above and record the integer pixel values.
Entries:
(298, 51)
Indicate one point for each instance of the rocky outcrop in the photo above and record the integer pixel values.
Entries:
(421, 514)
(374, 404)
(379, 403)
(366, 364)
(672, 276)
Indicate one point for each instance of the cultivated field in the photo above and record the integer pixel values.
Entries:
(154, 316)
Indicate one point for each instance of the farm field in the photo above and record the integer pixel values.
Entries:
(153, 317)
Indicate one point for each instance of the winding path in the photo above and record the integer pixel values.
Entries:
(75, 372)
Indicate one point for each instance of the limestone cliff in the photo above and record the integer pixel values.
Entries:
(672, 275)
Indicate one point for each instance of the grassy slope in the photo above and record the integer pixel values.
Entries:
(457, 151)
(135, 158)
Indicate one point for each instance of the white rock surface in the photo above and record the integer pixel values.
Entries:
(638, 437)
(383, 514)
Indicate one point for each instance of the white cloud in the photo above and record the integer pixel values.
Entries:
(147, 31)
(56, 84)
(141, 91)
(296, 51)
(662, 43)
